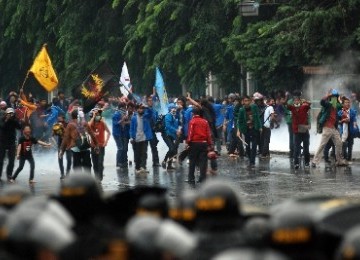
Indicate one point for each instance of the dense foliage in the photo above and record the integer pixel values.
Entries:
(187, 39)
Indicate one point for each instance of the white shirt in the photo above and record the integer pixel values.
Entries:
(267, 116)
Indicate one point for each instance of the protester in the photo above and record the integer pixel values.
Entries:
(121, 132)
(170, 136)
(199, 142)
(8, 126)
(24, 153)
(329, 122)
(249, 124)
(58, 132)
(300, 127)
(348, 128)
(269, 116)
(102, 135)
(140, 134)
(76, 139)
(154, 141)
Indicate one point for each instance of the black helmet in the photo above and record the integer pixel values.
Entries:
(118, 206)
(153, 204)
(217, 199)
(81, 195)
(185, 211)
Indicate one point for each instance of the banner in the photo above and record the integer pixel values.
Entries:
(97, 84)
(43, 70)
(161, 92)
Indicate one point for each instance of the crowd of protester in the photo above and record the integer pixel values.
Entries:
(79, 222)
(242, 123)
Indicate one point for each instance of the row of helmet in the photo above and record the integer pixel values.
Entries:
(80, 222)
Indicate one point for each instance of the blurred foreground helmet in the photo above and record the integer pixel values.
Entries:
(119, 208)
(185, 212)
(350, 247)
(80, 194)
(217, 199)
(153, 204)
(322, 222)
(218, 220)
(141, 232)
(39, 223)
(12, 195)
(250, 254)
(175, 240)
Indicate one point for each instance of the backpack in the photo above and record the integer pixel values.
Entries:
(159, 126)
(82, 142)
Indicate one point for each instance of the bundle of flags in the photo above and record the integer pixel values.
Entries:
(96, 85)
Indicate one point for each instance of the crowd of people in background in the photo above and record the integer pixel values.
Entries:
(78, 222)
(241, 124)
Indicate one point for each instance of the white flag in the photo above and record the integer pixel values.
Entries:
(124, 80)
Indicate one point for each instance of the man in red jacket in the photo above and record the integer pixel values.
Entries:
(300, 126)
(199, 142)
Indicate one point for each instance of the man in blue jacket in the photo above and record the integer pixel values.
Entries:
(140, 134)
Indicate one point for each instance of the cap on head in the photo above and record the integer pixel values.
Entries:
(257, 96)
(9, 110)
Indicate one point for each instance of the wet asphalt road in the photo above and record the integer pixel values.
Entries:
(269, 183)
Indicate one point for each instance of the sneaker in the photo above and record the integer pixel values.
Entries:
(163, 164)
(313, 165)
(307, 165)
(11, 180)
(138, 171)
(143, 170)
(297, 166)
(342, 163)
(62, 177)
(170, 168)
(32, 181)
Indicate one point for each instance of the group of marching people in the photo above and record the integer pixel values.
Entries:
(244, 124)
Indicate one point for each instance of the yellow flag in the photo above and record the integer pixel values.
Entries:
(44, 71)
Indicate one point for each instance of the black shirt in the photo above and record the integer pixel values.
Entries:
(26, 144)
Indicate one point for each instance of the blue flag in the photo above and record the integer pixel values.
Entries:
(161, 92)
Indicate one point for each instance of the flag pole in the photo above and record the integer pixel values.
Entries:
(23, 84)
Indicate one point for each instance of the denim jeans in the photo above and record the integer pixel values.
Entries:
(251, 138)
(122, 144)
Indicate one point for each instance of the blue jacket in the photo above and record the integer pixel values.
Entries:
(147, 126)
(352, 130)
(219, 113)
(229, 116)
(117, 129)
(55, 111)
(187, 118)
(171, 125)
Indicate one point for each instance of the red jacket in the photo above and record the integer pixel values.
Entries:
(199, 131)
(299, 116)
